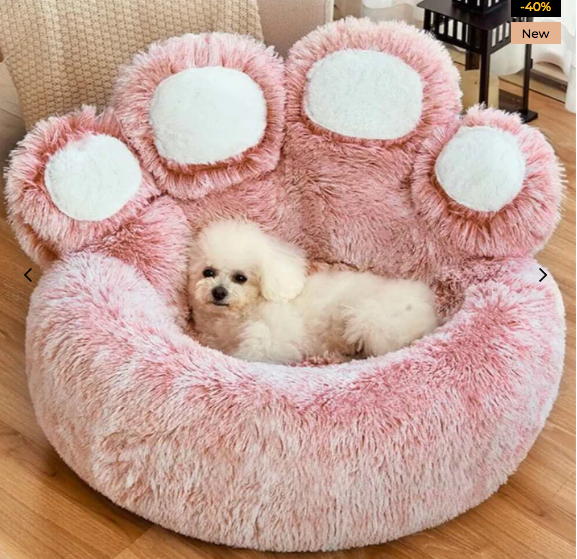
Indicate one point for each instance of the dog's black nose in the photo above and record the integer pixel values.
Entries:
(219, 293)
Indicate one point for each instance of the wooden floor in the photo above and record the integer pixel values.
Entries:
(46, 512)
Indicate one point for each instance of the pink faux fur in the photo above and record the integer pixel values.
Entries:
(290, 458)
(522, 226)
(354, 193)
(156, 244)
(29, 204)
(318, 456)
(137, 83)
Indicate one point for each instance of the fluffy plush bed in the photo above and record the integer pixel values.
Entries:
(354, 149)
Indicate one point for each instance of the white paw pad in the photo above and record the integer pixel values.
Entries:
(205, 115)
(93, 178)
(481, 168)
(364, 94)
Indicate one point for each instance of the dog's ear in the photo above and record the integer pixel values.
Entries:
(283, 272)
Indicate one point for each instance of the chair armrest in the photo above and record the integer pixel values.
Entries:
(285, 21)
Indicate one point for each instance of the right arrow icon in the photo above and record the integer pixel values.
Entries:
(544, 274)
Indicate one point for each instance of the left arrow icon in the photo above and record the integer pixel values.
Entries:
(26, 275)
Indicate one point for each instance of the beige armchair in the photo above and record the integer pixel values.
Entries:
(285, 21)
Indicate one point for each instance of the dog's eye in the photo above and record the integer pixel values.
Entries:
(239, 278)
(209, 273)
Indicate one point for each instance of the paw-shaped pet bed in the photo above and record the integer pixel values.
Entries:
(355, 150)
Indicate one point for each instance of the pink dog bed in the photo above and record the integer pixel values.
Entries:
(355, 150)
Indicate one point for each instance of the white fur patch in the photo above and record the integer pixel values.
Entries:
(205, 115)
(93, 178)
(481, 168)
(364, 94)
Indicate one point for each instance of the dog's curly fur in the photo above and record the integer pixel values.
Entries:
(252, 298)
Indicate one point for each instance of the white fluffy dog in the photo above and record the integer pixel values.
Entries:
(252, 298)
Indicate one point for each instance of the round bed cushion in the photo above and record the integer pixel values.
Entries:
(305, 457)
(289, 458)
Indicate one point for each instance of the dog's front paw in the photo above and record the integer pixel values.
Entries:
(256, 343)
(272, 341)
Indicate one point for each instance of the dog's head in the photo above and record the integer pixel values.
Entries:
(235, 264)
